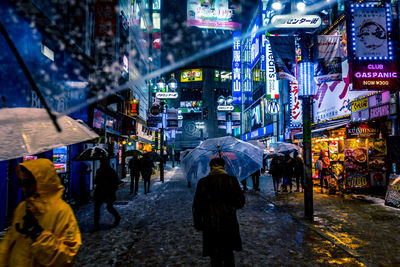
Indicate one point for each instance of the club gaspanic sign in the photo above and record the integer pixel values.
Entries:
(373, 64)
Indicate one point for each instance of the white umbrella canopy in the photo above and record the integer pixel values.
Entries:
(28, 131)
(282, 148)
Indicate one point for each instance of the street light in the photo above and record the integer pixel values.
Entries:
(276, 5)
(225, 105)
(172, 84)
(301, 6)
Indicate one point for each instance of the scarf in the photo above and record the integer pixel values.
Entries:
(217, 169)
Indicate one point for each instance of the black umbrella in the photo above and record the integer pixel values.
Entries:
(92, 153)
(133, 153)
(153, 156)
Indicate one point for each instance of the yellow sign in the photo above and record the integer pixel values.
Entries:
(359, 105)
(193, 75)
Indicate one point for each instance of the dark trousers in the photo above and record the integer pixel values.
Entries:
(146, 181)
(287, 181)
(110, 209)
(322, 178)
(223, 258)
(134, 182)
(256, 182)
(244, 184)
(299, 180)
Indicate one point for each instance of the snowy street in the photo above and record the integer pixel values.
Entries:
(156, 230)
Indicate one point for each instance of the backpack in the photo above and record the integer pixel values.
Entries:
(318, 165)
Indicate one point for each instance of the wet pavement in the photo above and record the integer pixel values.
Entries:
(157, 230)
(361, 225)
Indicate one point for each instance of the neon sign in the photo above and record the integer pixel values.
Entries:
(236, 70)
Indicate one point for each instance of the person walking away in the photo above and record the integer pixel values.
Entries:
(244, 184)
(106, 182)
(134, 166)
(44, 231)
(275, 169)
(288, 171)
(255, 177)
(146, 168)
(325, 169)
(298, 171)
(216, 200)
(318, 167)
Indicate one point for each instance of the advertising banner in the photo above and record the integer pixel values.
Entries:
(272, 82)
(377, 161)
(356, 156)
(361, 131)
(333, 99)
(329, 67)
(380, 111)
(371, 32)
(193, 75)
(284, 52)
(255, 43)
(393, 191)
(296, 109)
(359, 105)
(379, 99)
(218, 14)
(236, 69)
(256, 117)
(248, 85)
(380, 76)
(360, 115)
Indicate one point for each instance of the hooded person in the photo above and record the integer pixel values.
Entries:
(44, 231)
(216, 200)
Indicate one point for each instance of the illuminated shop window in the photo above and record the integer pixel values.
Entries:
(216, 76)
(226, 76)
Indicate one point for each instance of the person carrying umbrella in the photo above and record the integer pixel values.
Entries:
(276, 170)
(44, 231)
(134, 166)
(106, 182)
(216, 200)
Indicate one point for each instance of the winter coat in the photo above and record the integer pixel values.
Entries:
(134, 166)
(288, 168)
(275, 168)
(106, 182)
(146, 166)
(60, 239)
(216, 200)
(298, 167)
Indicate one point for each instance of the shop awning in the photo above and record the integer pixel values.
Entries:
(317, 132)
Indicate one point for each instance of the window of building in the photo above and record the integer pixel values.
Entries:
(188, 94)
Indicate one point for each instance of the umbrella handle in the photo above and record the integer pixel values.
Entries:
(219, 151)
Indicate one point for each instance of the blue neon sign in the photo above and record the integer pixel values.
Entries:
(255, 43)
(236, 69)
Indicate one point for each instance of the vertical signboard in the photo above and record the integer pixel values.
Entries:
(255, 43)
(374, 67)
(296, 110)
(272, 81)
(236, 70)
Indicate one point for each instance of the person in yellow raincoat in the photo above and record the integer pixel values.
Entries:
(44, 231)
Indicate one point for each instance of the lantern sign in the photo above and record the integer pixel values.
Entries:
(193, 75)
(132, 108)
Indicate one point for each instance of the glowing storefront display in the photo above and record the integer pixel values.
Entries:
(193, 75)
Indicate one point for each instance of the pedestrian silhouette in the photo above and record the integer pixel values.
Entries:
(134, 166)
(44, 231)
(298, 171)
(146, 169)
(106, 182)
(255, 177)
(288, 172)
(216, 200)
(276, 170)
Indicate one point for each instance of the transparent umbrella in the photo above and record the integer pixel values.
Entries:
(28, 131)
(242, 159)
(281, 147)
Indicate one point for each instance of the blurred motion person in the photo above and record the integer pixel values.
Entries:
(134, 166)
(298, 171)
(44, 231)
(216, 200)
(106, 182)
(146, 168)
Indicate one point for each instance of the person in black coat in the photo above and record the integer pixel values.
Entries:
(298, 171)
(146, 169)
(288, 172)
(106, 182)
(255, 177)
(276, 170)
(216, 200)
(134, 166)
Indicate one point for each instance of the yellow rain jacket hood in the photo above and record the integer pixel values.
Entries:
(60, 240)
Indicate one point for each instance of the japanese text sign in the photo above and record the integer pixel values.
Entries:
(236, 70)
(359, 104)
(380, 111)
(298, 22)
(296, 109)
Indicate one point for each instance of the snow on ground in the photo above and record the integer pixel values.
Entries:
(157, 230)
